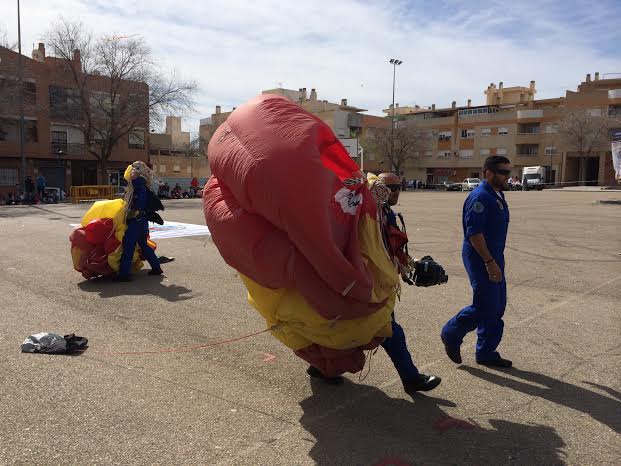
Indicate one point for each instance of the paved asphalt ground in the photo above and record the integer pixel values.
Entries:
(251, 402)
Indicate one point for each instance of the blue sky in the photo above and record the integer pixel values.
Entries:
(451, 50)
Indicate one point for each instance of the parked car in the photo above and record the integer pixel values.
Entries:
(450, 186)
(470, 183)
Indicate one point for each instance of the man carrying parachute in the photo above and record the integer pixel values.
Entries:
(289, 209)
(105, 244)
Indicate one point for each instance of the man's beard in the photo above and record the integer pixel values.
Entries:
(498, 184)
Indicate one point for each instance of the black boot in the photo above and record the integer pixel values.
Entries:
(452, 352)
(158, 271)
(316, 373)
(422, 383)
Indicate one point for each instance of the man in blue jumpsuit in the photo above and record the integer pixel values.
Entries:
(395, 346)
(485, 222)
(141, 207)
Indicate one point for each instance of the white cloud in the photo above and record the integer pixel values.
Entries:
(450, 51)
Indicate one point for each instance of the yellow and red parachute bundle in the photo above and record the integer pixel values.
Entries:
(289, 209)
(97, 245)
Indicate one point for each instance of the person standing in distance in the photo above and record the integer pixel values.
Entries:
(485, 220)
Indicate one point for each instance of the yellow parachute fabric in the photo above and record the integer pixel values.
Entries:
(114, 209)
(296, 323)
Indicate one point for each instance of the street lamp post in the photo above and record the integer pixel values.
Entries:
(394, 62)
(20, 97)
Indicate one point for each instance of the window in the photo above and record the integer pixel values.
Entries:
(501, 151)
(484, 152)
(445, 136)
(528, 128)
(444, 154)
(467, 133)
(486, 131)
(30, 131)
(594, 112)
(30, 93)
(162, 168)
(550, 150)
(9, 130)
(176, 169)
(64, 103)
(8, 177)
(59, 141)
(503, 130)
(466, 154)
(428, 153)
(551, 129)
(189, 170)
(136, 139)
(527, 149)
(477, 111)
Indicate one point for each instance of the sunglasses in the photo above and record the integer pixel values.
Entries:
(394, 187)
(501, 171)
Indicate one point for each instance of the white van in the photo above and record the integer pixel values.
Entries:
(533, 178)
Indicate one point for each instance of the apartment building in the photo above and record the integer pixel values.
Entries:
(345, 120)
(515, 124)
(54, 143)
(173, 159)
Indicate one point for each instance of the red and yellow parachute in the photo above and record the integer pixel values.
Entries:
(289, 209)
(97, 245)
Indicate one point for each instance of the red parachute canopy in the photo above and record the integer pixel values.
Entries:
(283, 207)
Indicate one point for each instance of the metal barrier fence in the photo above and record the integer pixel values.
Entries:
(89, 193)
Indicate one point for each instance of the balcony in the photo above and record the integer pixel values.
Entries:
(521, 114)
(527, 150)
(67, 149)
(614, 94)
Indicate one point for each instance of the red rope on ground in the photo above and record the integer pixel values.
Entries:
(182, 350)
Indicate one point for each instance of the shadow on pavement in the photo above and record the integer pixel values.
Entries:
(140, 285)
(360, 424)
(600, 407)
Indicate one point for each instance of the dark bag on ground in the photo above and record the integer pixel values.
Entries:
(52, 343)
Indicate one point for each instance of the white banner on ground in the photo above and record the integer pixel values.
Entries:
(176, 230)
(172, 230)
(616, 158)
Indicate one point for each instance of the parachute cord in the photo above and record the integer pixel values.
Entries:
(188, 348)
(367, 357)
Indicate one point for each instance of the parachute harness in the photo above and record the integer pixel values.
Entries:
(381, 193)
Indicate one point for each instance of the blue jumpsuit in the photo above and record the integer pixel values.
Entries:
(396, 346)
(137, 230)
(485, 211)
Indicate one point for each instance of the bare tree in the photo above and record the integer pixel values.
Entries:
(116, 88)
(409, 141)
(4, 41)
(197, 147)
(586, 132)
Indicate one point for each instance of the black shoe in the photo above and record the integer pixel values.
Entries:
(156, 271)
(499, 362)
(422, 383)
(452, 351)
(316, 373)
